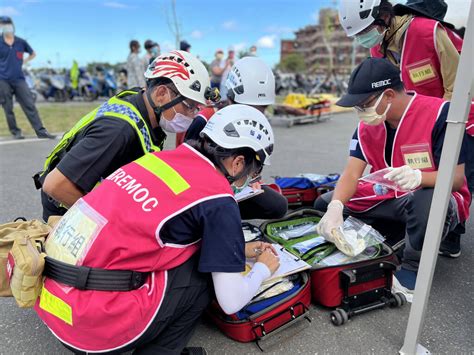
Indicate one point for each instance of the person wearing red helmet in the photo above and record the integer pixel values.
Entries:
(123, 129)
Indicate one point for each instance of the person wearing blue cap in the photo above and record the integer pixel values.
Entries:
(403, 131)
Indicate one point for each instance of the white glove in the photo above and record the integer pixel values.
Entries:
(406, 177)
(332, 219)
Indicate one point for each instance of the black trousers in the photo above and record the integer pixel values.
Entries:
(20, 89)
(469, 167)
(412, 211)
(269, 205)
(188, 293)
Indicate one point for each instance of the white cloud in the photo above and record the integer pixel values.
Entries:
(267, 41)
(9, 11)
(116, 5)
(239, 46)
(315, 16)
(230, 25)
(196, 34)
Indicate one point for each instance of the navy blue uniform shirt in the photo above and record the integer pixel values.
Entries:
(11, 58)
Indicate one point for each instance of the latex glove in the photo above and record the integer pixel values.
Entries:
(405, 177)
(331, 220)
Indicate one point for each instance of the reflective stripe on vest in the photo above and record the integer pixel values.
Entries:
(114, 107)
(114, 227)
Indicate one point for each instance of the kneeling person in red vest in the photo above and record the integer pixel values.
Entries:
(129, 264)
(404, 131)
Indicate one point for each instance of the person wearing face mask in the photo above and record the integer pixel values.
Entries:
(250, 82)
(159, 233)
(152, 51)
(414, 37)
(12, 80)
(124, 128)
(218, 66)
(404, 131)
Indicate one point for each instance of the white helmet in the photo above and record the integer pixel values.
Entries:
(251, 82)
(186, 72)
(356, 15)
(239, 126)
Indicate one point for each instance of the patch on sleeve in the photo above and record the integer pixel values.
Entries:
(353, 144)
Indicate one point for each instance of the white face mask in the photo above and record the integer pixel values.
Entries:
(370, 116)
(7, 29)
(236, 189)
(178, 124)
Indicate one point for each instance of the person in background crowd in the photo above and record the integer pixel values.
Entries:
(218, 66)
(135, 70)
(253, 51)
(152, 51)
(12, 80)
(229, 62)
(184, 46)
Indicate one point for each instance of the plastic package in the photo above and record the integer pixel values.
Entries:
(292, 232)
(339, 258)
(355, 236)
(274, 288)
(303, 247)
(377, 178)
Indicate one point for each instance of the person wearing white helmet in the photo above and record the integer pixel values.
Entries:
(250, 82)
(124, 128)
(415, 38)
(239, 141)
(159, 233)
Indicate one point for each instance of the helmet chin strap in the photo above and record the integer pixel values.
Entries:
(158, 110)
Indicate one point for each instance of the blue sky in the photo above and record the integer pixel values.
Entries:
(99, 30)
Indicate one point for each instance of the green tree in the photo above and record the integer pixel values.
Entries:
(293, 63)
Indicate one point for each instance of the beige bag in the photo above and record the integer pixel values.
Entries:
(9, 232)
(25, 267)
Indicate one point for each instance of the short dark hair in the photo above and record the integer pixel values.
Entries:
(399, 87)
(134, 44)
(216, 153)
(153, 83)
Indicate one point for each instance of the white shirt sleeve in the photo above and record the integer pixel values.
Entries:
(234, 290)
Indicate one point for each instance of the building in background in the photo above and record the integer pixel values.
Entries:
(325, 47)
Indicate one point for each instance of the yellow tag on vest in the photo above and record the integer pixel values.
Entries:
(74, 234)
(418, 155)
(56, 306)
(422, 72)
(419, 160)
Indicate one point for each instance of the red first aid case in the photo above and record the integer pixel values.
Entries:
(353, 288)
(267, 321)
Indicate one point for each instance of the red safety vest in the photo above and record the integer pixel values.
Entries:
(420, 65)
(412, 146)
(117, 227)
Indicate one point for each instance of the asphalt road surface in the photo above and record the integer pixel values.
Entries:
(315, 148)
